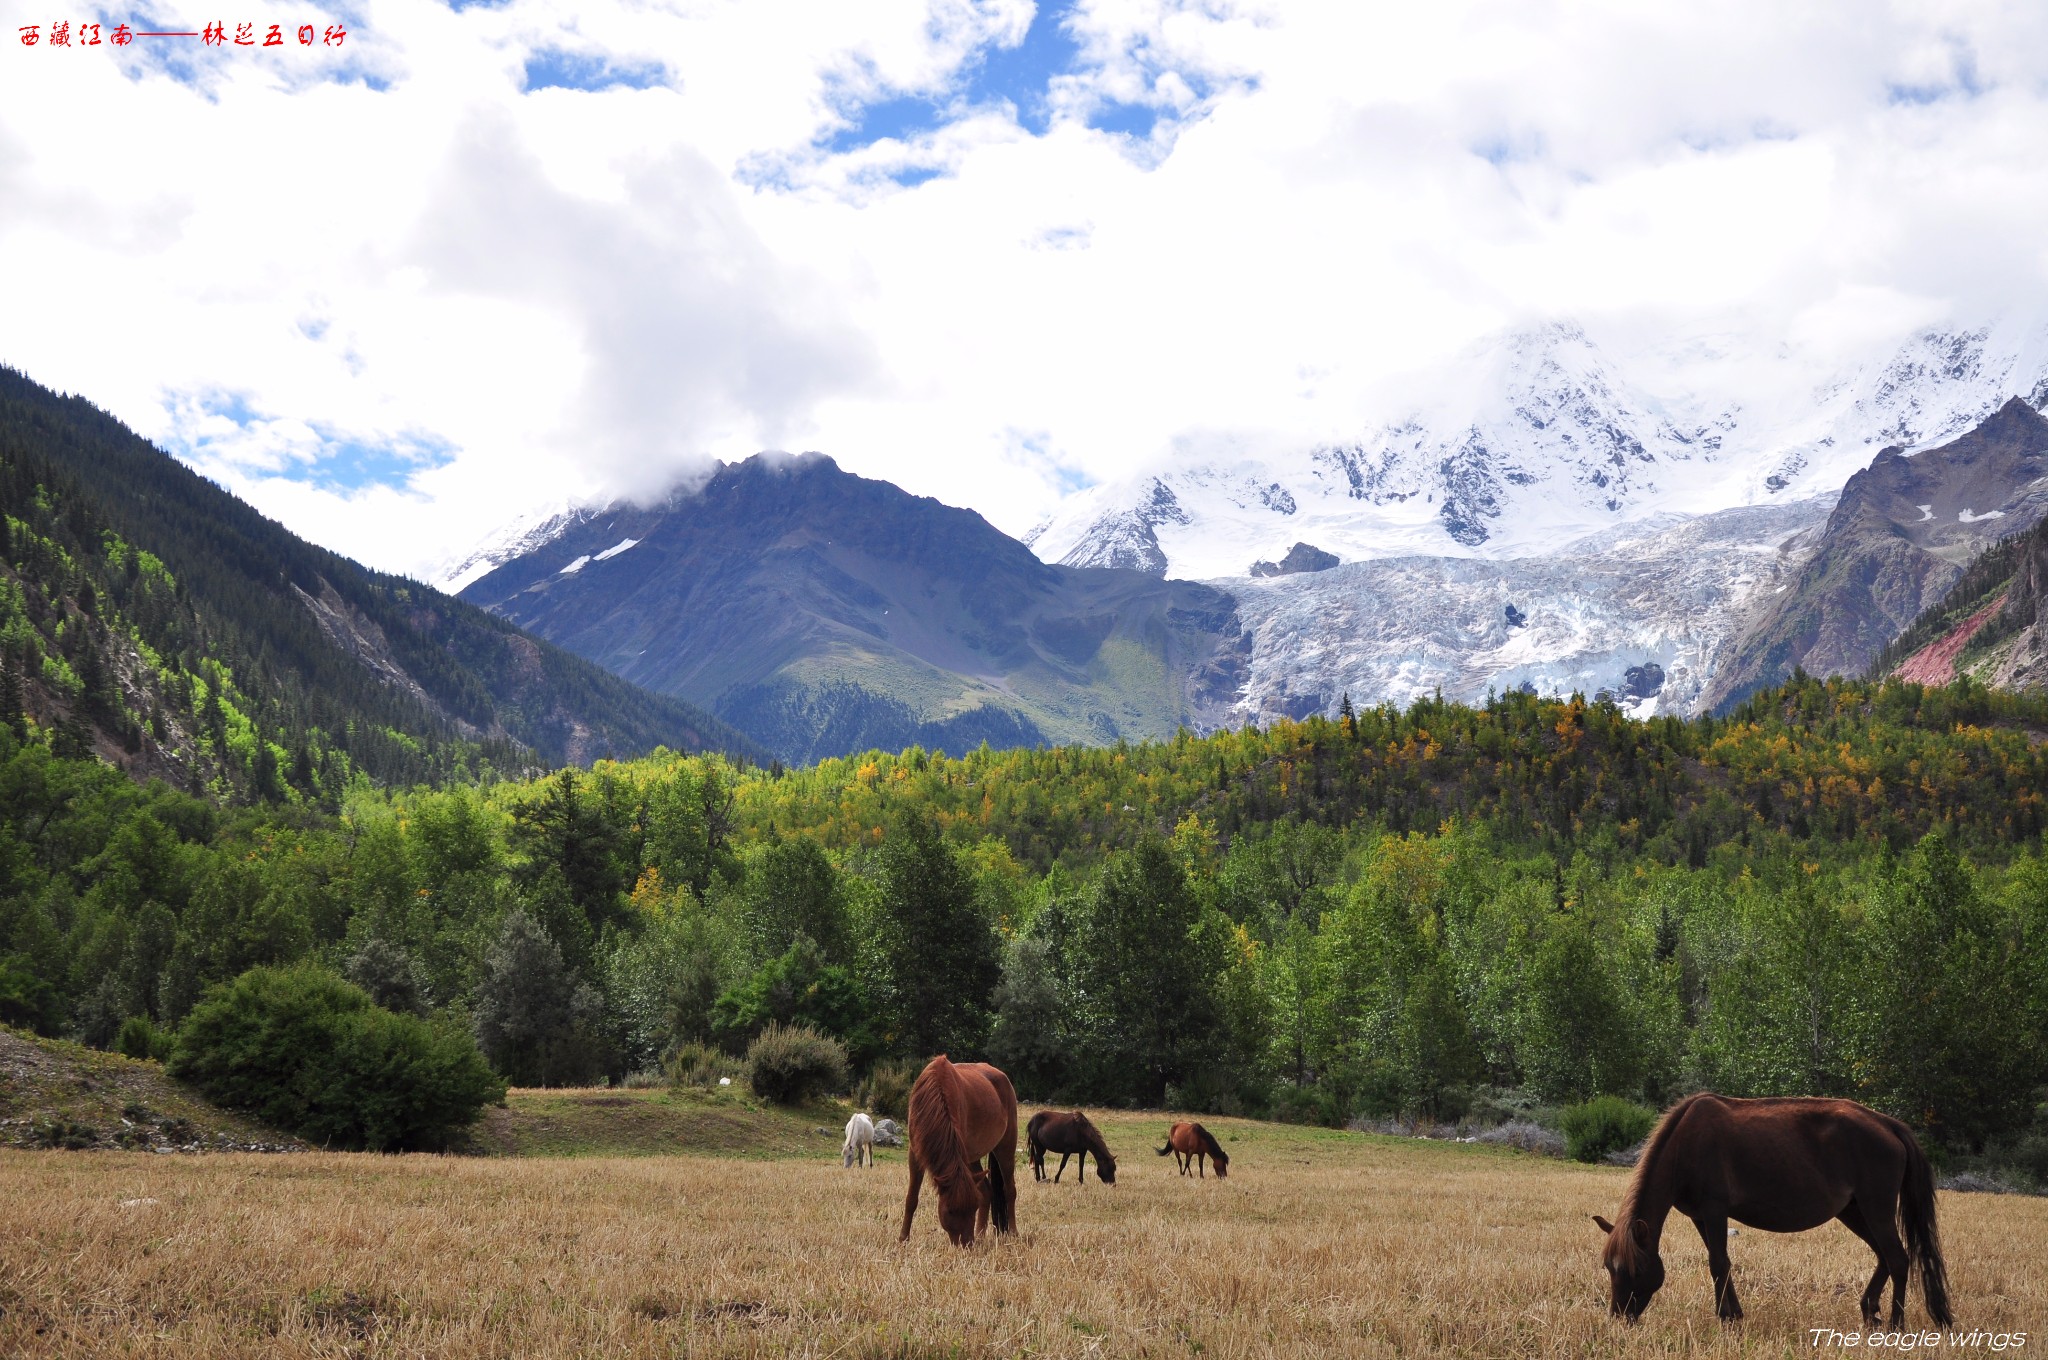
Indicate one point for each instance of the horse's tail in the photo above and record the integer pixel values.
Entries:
(1923, 1237)
(1168, 1148)
(1215, 1151)
(1002, 1208)
(933, 1136)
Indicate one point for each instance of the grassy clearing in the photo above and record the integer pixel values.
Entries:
(727, 1122)
(1319, 1243)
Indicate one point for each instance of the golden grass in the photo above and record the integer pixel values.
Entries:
(1318, 1244)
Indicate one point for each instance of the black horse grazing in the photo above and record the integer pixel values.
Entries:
(1067, 1133)
(1783, 1165)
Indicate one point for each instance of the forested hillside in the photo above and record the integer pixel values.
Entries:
(1837, 889)
(148, 615)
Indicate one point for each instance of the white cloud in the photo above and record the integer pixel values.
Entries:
(573, 293)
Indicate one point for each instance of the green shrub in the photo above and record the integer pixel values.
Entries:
(887, 1090)
(1602, 1125)
(303, 1050)
(700, 1065)
(791, 1063)
(1315, 1104)
(139, 1038)
(64, 1134)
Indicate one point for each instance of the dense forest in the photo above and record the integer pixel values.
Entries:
(1837, 889)
(149, 616)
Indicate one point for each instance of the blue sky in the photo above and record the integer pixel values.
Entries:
(1020, 76)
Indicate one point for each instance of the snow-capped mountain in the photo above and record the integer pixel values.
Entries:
(1541, 514)
(532, 530)
(1644, 612)
(1539, 436)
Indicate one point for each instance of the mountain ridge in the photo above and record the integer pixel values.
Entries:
(215, 645)
(1901, 535)
(814, 608)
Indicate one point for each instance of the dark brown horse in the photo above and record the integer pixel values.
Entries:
(960, 1113)
(1191, 1143)
(1067, 1134)
(1782, 1165)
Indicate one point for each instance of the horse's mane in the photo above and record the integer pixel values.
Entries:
(1096, 1143)
(932, 1133)
(1621, 1243)
(1214, 1148)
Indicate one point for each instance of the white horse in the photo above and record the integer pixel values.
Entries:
(860, 1137)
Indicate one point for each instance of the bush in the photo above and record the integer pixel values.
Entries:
(700, 1065)
(887, 1090)
(1604, 1124)
(791, 1063)
(303, 1050)
(141, 1039)
(1316, 1104)
(1527, 1136)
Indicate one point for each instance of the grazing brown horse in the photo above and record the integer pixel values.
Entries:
(1782, 1165)
(960, 1113)
(1190, 1143)
(1067, 1134)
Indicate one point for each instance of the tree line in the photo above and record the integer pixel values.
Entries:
(1430, 911)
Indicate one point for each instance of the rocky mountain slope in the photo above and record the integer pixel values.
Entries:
(1992, 626)
(823, 613)
(1899, 538)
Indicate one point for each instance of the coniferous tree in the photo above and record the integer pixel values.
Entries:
(536, 1022)
(940, 956)
(1148, 971)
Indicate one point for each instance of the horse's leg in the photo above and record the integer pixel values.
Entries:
(1063, 1167)
(1084, 1166)
(1851, 1218)
(910, 1200)
(1202, 1160)
(1880, 1214)
(983, 1194)
(1714, 1232)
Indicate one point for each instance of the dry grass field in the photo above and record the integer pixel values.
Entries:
(1319, 1243)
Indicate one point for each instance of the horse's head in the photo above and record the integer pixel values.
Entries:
(960, 1202)
(1635, 1272)
(1105, 1166)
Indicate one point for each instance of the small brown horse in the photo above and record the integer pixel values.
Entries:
(1782, 1165)
(1067, 1134)
(1190, 1143)
(960, 1113)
